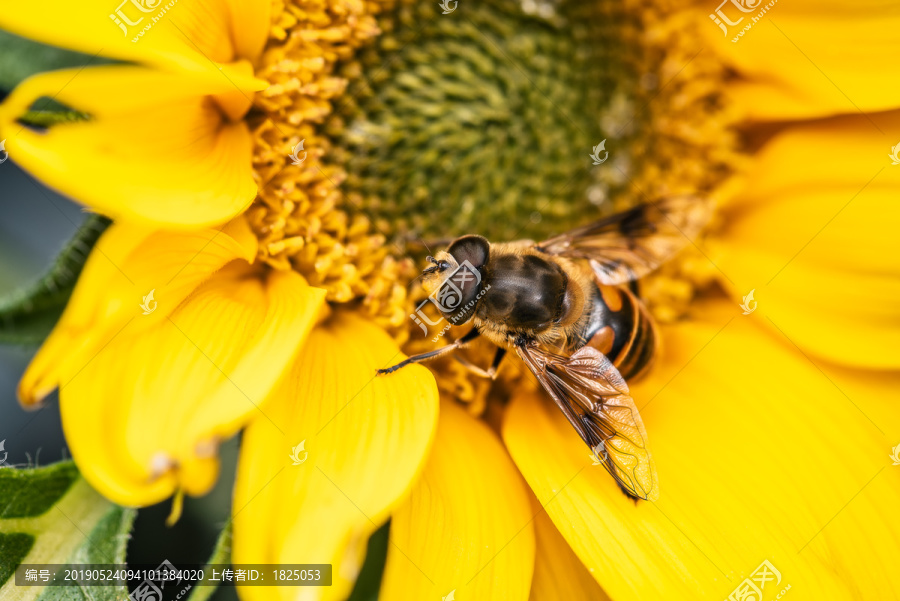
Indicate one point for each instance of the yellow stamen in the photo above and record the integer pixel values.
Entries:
(299, 215)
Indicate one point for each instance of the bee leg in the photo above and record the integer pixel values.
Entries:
(498, 358)
(472, 335)
(491, 372)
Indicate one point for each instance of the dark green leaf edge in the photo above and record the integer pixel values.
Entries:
(28, 315)
(221, 554)
(26, 493)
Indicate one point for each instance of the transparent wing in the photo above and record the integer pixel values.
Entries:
(594, 397)
(628, 245)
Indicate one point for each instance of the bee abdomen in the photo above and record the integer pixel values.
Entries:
(620, 328)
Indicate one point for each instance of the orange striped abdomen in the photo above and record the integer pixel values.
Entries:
(620, 327)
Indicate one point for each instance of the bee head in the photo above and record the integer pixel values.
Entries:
(454, 280)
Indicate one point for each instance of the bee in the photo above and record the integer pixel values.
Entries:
(568, 307)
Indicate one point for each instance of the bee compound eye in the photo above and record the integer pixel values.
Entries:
(471, 248)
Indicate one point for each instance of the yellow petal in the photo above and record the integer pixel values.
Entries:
(249, 24)
(759, 455)
(467, 526)
(155, 150)
(818, 241)
(176, 34)
(803, 59)
(144, 416)
(126, 265)
(558, 573)
(364, 438)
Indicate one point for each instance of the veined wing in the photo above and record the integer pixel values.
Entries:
(594, 397)
(628, 245)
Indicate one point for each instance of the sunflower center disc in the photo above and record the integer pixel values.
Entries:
(482, 120)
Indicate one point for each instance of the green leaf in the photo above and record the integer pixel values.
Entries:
(13, 549)
(21, 58)
(221, 554)
(28, 315)
(50, 113)
(106, 544)
(50, 515)
(30, 493)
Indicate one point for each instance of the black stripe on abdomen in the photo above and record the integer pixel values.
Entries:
(634, 341)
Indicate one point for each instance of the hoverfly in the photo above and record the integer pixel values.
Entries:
(566, 307)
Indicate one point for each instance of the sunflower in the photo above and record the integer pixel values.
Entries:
(279, 289)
